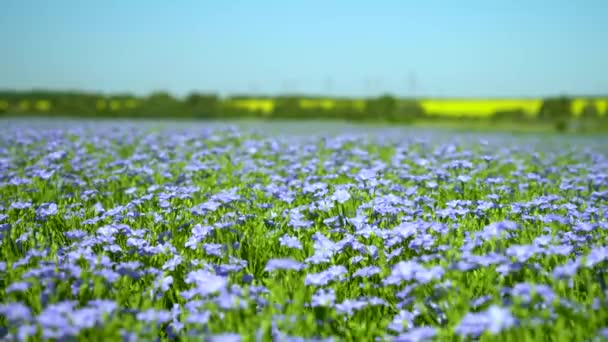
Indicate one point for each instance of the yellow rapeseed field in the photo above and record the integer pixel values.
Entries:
(486, 107)
(474, 108)
(602, 106)
(317, 104)
(254, 105)
(478, 107)
(578, 105)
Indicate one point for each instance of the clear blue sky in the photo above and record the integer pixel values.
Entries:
(430, 48)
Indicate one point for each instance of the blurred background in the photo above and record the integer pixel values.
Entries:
(510, 65)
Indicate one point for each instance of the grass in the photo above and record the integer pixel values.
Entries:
(133, 203)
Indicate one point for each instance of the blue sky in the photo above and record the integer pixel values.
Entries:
(425, 48)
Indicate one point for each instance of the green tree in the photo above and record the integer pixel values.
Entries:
(288, 107)
(559, 108)
(203, 105)
(558, 111)
(162, 104)
(408, 110)
(383, 108)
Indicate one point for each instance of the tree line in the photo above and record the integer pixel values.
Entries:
(557, 110)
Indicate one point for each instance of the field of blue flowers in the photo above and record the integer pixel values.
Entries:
(131, 233)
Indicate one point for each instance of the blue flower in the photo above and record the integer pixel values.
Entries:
(349, 306)
(418, 334)
(566, 271)
(522, 252)
(410, 270)
(172, 263)
(325, 277)
(214, 249)
(154, 316)
(290, 242)
(367, 271)
(404, 320)
(86, 318)
(341, 196)
(164, 283)
(494, 320)
(597, 255)
(16, 312)
(206, 283)
(19, 286)
(225, 337)
(283, 264)
(47, 209)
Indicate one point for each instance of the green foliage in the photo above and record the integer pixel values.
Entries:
(383, 107)
(555, 108)
(289, 107)
(202, 105)
(590, 111)
(510, 115)
(162, 104)
(388, 108)
(409, 109)
(554, 112)
(561, 125)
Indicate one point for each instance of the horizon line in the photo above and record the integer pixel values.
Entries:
(291, 94)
